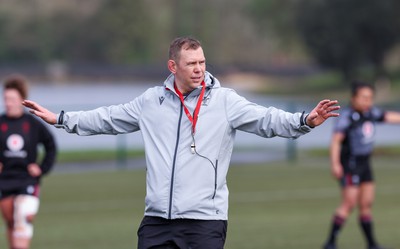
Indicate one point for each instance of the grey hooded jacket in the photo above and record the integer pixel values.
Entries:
(186, 175)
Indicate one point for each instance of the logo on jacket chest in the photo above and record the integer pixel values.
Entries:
(161, 99)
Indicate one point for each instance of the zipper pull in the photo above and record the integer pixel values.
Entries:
(193, 148)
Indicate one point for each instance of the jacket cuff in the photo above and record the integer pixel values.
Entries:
(60, 120)
(303, 120)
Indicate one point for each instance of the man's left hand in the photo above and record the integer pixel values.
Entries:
(324, 110)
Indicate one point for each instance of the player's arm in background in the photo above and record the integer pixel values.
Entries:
(392, 117)
(335, 148)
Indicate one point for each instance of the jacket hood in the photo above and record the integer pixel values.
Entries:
(209, 79)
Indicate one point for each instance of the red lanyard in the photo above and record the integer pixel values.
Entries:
(192, 119)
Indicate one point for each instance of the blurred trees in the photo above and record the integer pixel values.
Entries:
(275, 18)
(340, 34)
(347, 34)
(109, 32)
(126, 32)
(119, 32)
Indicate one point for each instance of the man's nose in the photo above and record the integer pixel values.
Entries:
(197, 67)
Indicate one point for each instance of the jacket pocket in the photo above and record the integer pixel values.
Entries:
(215, 179)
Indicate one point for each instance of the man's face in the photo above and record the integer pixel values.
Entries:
(189, 69)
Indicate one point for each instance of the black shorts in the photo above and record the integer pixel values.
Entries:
(25, 190)
(160, 233)
(357, 170)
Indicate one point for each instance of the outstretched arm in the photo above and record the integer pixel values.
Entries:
(392, 117)
(40, 111)
(324, 110)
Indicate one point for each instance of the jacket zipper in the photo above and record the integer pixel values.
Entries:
(173, 164)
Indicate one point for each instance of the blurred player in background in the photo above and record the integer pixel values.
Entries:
(20, 174)
(350, 153)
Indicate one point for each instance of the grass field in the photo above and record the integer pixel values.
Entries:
(277, 206)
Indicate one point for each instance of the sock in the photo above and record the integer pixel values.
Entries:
(367, 227)
(337, 223)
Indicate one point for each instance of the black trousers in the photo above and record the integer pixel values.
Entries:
(160, 233)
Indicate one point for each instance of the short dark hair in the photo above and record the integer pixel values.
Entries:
(357, 85)
(180, 43)
(17, 82)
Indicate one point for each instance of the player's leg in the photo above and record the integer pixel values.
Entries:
(350, 193)
(25, 209)
(7, 210)
(367, 194)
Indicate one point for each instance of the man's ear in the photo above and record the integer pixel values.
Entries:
(172, 66)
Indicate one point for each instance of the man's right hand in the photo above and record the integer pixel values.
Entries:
(40, 111)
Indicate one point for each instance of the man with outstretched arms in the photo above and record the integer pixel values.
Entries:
(188, 127)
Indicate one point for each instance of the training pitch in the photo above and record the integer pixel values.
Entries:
(280, 205)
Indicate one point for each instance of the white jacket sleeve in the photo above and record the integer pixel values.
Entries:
(263, 121)
(116, 119)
